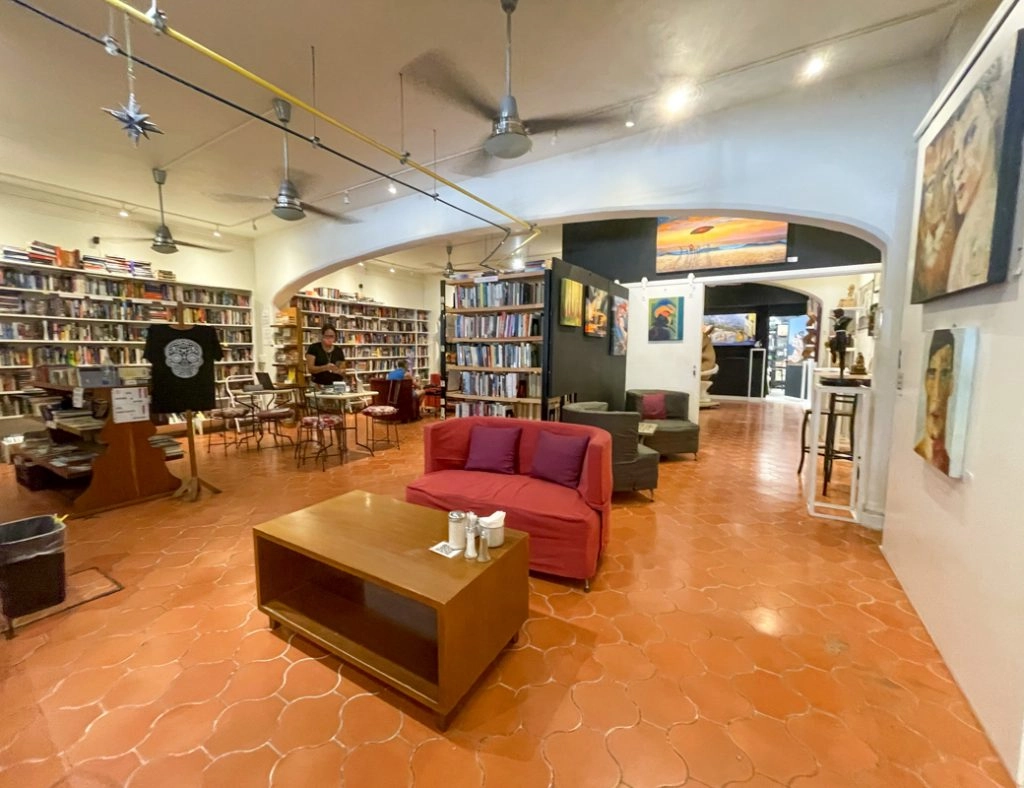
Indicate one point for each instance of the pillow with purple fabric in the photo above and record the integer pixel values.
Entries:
(493, 449)
(653, 407)
(559, 458)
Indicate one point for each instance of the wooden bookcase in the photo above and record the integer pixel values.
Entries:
(73, 316)
(496, 344)
(373, 336)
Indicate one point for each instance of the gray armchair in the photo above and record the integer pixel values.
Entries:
(634, 466)
(675, 434)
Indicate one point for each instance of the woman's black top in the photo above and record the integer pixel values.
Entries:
(321, 358)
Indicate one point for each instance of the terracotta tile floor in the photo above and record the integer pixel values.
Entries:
(729, 640)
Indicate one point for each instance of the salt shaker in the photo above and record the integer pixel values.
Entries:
(471, 530)
(483, 552)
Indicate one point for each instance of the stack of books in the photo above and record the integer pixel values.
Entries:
(141, 269)
(118, 266)
(91, 262)
(13, 254)
(42, 252)
(166, 276)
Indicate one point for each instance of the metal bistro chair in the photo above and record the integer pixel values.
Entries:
(316, 429)
(386, 414)
(243, 405)
(231, 427)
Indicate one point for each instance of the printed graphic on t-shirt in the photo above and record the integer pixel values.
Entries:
(184, 357)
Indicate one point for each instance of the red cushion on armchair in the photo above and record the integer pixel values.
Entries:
(653, 407)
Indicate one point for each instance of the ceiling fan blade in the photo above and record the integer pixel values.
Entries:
(550, 123)
(338, 217)
(217, 249)
(134, 239)
(435, 73)
(238, 198)
(475, 164)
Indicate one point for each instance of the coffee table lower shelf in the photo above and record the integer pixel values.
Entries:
(399, 656)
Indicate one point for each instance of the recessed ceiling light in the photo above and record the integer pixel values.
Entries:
(392, 270)
(123, 213)
(362, 265)
(677, 99)
(216, 231)
(346, 199)
(392, 188)
(815, 67)
(630, 119)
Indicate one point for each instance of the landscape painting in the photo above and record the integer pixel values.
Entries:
(737, 329)
(698, 243)
(570, 311)
(665, 320)
(595, 312)
(620, 325)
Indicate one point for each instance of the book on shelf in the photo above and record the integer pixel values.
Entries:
(526, 354)
(510, 325)
(498, 294)
(500, 384)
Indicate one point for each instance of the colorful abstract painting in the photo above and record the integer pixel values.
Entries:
(570, 312)
(620, 325)
(595, 312)
(703, 242)
(665, 320)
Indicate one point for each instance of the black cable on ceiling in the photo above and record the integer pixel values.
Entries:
(314, 141)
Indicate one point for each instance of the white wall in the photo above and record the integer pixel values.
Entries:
(666, 365)
(957, 546)
(23, 220)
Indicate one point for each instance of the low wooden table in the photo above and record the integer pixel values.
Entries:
(354, 574)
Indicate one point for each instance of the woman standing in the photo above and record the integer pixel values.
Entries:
(325, 361)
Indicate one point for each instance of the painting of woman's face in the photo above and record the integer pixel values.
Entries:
(973, 150)
(938, 186)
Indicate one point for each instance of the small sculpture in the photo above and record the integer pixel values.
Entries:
(859, 367)
(708, 368)
(851, 299)
(810, 350)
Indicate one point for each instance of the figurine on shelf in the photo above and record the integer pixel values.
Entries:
(851, 299)
(840, 340)
(859, 368)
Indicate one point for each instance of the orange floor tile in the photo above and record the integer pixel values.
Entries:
(728, 640)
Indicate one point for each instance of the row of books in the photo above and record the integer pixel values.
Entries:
(361, 309)
(85, 308)
(14, 357)
(80, 284)
(54, 331)
(520, 324)
(15, 380)
(43, 253)
(216, 297)
(204, 314)
(87, 355)
(504, 384)
(314, 322)
(464, 409)
(526, 354)
(498, 294)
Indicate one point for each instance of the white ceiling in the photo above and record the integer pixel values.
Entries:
(571, 56)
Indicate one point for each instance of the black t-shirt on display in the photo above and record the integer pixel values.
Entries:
(321, 358)
(183, 364)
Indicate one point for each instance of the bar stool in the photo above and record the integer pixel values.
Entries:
(840, 406)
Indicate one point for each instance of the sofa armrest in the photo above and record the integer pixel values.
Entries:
(596, 475)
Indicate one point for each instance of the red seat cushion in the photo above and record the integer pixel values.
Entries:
(653, 407)
(565, 533)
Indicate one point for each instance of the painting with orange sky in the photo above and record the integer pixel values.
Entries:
(699, 242)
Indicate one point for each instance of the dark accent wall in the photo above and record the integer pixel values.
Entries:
(580, 364)
(622, 249)
(625, 249)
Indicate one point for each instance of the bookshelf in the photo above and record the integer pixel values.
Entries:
(64, 309)
(496, 344)
(372, 335)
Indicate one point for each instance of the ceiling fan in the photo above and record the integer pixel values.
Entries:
(162, 241)
(510, 135)
(450, 270)
(288, 204)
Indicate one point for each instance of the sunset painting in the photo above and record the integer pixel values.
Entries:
(701, 242)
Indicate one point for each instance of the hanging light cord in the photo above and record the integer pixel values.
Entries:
(257, 116)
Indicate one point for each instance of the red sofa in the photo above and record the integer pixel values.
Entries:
(568, 527)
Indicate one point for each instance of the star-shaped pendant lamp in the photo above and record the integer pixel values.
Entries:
(134, 121)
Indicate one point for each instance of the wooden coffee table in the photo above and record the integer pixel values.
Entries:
(354, 575)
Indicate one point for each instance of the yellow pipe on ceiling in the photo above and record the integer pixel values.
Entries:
(295, 101)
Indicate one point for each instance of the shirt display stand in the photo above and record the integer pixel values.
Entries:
(191, 485)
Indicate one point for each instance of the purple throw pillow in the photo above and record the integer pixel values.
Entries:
(559, 458)
(653, 407)
(493, 449)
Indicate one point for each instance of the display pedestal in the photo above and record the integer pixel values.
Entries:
(706, 403)
(824, 421)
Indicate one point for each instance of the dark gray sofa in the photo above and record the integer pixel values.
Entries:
(674, 435)
(634, 466)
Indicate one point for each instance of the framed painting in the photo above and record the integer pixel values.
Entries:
(706, 242)
(595, 312)
(665, 320)
(570, 311)
(620, 325)
(943, 411)
(969, 160)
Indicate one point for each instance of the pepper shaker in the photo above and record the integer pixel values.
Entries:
(483, 552)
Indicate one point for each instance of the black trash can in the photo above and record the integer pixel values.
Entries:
(31, 565)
